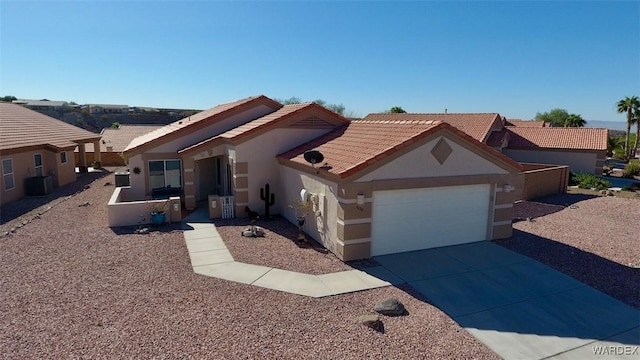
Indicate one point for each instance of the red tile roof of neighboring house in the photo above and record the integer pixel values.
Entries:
(22, 128)
(526, 123)
(256, 125)
(497, 138)
(200, 119)
(477, 126)
(352, 148)
(121, 137)
(558, 138)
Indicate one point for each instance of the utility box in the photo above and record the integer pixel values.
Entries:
(122, 179)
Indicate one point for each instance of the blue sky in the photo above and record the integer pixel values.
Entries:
(512, 57)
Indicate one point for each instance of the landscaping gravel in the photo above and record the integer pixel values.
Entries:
(594, 239)
(278, 248)
(73, 288)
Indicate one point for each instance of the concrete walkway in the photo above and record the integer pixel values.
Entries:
(210, 257)
(519, 307)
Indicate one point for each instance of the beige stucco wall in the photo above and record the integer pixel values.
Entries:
(211, 130)
(23, 167)
(578, 161)
(322, 226)
(260, 155)
(420, 163)
(137, 181)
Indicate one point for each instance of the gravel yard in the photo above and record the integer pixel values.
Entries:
(596, 240)
(73, 288)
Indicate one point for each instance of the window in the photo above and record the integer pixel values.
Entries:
(63, 157)
(7, 174)
(164, 173)
(37, 159)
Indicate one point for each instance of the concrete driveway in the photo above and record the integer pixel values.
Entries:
(518, 307)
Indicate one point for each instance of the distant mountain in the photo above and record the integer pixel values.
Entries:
(611, 125)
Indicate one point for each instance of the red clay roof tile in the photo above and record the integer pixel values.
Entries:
(477, 125)
(193, 120)
(361, 144)
(526, 123)
(558, 138)
(21, 127)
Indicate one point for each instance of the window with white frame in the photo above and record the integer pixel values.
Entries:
(165, 173)
(7, 174)
(37, 161)
(63, 157)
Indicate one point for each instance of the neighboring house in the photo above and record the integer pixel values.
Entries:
(113, 142)
(526, 123)
(381, 188)
(582, 149)
(108, 109)
(36, 145)
(42, 104)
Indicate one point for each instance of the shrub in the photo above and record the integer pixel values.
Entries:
(632, 169)
(588, 181)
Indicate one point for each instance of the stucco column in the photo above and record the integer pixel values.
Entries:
(96, 151)
(82, 166)
(188, 186)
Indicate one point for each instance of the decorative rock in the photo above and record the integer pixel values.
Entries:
(253, 231)
(372, 321)
(390, 307)
(142, 231)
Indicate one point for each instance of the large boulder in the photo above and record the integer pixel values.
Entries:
(390, 307)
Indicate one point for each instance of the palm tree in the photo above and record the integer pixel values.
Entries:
(628, 105)
(575, 120)
(636, 120)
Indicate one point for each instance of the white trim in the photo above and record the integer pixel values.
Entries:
(503, 222)
(352, 201)
(12, 173)
(503, 206)
(354, 241)
(354, 221)
(188, 183)
(242, 189)
(235, 176)
(35, 167)
(185, 170)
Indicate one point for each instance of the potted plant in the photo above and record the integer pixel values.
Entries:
(158, 212)
(302, 209)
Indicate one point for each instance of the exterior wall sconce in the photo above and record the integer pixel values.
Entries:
(507, 188)
(176, 207)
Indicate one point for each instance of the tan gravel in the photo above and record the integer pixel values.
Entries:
(73, 288)
(593, 239)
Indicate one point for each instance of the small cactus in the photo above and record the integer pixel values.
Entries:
(268, 198)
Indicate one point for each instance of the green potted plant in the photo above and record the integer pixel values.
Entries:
(158, 212)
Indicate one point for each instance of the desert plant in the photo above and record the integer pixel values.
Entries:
(632, 169)
(589, 181)
(155, 207)
(302, 208)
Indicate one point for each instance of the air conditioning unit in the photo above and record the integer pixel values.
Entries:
(122, 179)
(38, 185)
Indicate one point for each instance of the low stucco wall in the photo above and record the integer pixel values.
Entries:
(542, 180)
(124, 209)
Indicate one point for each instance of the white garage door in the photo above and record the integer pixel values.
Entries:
(414, 219)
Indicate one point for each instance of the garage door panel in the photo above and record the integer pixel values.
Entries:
(414, 219)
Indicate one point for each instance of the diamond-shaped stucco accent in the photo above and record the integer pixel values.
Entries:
(441, 151)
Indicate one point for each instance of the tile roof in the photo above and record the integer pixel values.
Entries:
(254, 125)
(477, 125)
(193, 120)
(354, 147)
(526, 123)
(121, 137)
(497, 138)
(558, 138)
(21, 127)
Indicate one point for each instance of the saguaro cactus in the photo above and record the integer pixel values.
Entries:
(268, 198)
